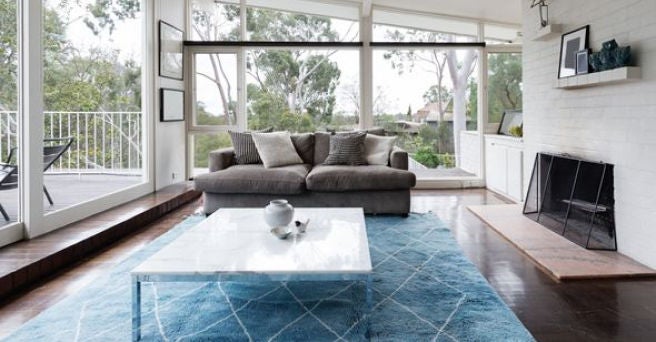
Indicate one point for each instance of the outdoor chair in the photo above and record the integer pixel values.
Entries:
(53, 149)
(8, 180)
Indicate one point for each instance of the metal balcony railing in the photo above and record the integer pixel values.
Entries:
(105, 142)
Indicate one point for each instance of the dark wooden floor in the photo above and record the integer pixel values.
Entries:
(579, 311)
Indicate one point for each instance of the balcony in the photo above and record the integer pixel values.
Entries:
(105, 156)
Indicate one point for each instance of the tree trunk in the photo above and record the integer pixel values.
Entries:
(460, 71)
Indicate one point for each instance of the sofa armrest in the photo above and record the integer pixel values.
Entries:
(221, 159)
(399, 159)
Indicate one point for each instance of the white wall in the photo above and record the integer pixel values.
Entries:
(612, 123)
(170, 137)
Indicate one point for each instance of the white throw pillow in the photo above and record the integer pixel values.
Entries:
(276, 149)
(377, 149)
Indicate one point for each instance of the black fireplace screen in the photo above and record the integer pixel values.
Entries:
(574, 198)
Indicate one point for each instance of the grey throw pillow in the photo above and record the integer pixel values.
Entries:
(304, 144)
(347, 149)
(245, 150)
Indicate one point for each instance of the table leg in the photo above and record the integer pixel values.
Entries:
(370, 306)
(136, 309)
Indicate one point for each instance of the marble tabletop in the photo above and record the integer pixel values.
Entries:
(238, 241)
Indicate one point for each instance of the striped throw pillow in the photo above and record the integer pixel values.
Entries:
(245, 150)
(347, 149)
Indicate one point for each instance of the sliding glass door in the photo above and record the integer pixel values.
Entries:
(10, 121)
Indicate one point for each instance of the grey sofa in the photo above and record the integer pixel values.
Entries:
(378, 189)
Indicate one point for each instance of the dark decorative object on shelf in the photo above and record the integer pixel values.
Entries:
(571, 43)
(610, 57)
(574, 198)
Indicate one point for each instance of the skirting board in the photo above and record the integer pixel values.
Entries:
(558, 257)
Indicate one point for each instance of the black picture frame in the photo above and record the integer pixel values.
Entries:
(571, 43)
(171, 57)
(583, 62)
(509, 119)
(171, 105)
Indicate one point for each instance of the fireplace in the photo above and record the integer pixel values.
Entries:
(574, 198)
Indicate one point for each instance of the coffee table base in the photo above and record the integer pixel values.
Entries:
(137, 279)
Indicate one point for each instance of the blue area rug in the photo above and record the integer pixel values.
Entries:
(424, 290)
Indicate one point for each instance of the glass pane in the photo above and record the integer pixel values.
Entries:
(303, 90)
(428, 99)
(393, 26)
(202, 145)
(275, 25)
(92, 96)
(215, 20)
(216, 89)
(498, 34)
(504, 84)
(9, 137)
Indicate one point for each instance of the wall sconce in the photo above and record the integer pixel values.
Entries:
(544, 11)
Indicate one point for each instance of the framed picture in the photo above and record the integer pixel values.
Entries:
(170, 51)
(570, 44)
(582, 62)
(510, 118)
(171, 105)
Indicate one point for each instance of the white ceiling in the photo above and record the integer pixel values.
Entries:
(502, 11)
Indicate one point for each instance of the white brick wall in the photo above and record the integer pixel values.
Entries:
(612, 123)
(470, 157)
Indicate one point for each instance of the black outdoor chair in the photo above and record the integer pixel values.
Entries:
(53, 149)
(8, 180)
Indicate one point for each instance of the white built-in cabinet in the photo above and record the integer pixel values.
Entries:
(504, 165)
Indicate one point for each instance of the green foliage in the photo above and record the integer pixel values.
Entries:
(436, 94)
(79, 79)
(74, 80)
(516, 131)
(472, 104)
(427, 157)
(295, 89)
(205, 143)
(504, 84)
(105, 14)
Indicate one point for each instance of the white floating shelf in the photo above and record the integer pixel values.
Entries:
(619, 75)
(548, 32)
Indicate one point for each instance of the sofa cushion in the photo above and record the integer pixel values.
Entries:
(276, 149)
(255, 179)
(321, 147)
(333, 178)
(304, 144)
(378, 148)
(347, 149)
(245, 150)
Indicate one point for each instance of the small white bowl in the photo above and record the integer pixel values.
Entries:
(281, 233)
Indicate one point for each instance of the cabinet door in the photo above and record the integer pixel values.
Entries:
(495, 166)
(515, 174)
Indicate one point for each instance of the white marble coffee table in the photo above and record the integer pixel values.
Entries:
(236, 245)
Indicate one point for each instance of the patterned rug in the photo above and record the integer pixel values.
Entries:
(424, 290)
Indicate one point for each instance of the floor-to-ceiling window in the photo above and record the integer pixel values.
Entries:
(10, 129)
(305, 66)
(286, 83)
(92, 92)
(427, 95)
